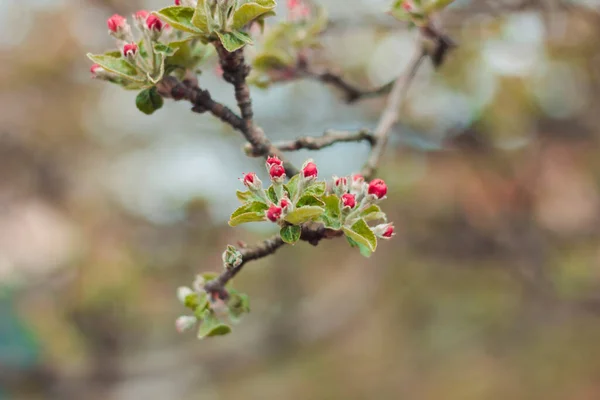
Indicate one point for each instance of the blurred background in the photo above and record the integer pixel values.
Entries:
(491, 289)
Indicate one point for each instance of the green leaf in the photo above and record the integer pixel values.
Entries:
(303, 214)
(292, 186)
(233, 41)
(331, 216)
(271, 194)
(179, 17)
(199, 19)
(360, 233)
(164, 49)
(211, 326)
(113, 62)
(315, 189)
(247, 217)
(310, 200)
(373, 213)
(148, 101)
(364, 250)
(244, 196)
(319, 22)
(238, 304)
(248, 12)
(196, 301)
(290, 233)
(250, 212)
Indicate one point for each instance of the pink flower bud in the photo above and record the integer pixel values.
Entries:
(96, 69)
(184, 323)
(273, 160)
(358, 178)
(378, 188)
(276, 172)
(349, 200)
(141, 15)
(177, 2)
(274, 213)
(310, 170)
(284, 203)
(389, 232)
(130, 49)
(407, 5)
(116, 23)
(343, 181)
(249, 178)
(384, 231)
(154, 23)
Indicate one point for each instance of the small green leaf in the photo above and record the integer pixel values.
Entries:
(196, 301)
(164, 49)
(199, 19)
(238, 304)
(247, 217)
(373, 213)
(179, 17)
(310, 200)
(360, 233)
(244, 196)
(211, 326)
(331, 216)
(148, 101)
(113, 62)
(271, 194)
(304, 214)
(248, 12)
(292, 186)
(315, 189)
(364, 250)
(290, 233)
(233, 41)
(254, 206)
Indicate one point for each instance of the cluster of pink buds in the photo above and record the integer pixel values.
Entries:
(298, 10)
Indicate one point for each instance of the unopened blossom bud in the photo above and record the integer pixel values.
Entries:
(384, 231)
(408, 6)
(184, 323)
(183, 292)
(277, 173)
(153, 23)
(349, 200)
(251, 181)
(309, 170)
(377, 188)
(358, 184)
(273, 160)
(231, 257)
(340, 185)
(141, 15)
(96, 70)
(177, 2)
(130, 50)
(199, 282)
(284, 203)
(274, 213)
(116, 23)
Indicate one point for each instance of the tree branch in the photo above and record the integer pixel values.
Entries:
(329, 138)
(389, 117)
(235, 71)
(312, 235)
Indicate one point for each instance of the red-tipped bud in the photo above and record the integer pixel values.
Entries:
(384, 231)
(343, 181)
(274, 213)
(154, 23)
(141, 15)
(95, 70)
(408, 6)
(349, 200)
(276, 172)
(116, 23)
(310, 170)
(377, 188)
(284, 203)
(389, 232)
(177, 2)
(273, 160)
(358, 178)
(130, 49)
(249, 178)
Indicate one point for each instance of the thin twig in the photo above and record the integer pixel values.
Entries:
(235, 71)
(263, 249)
(329, 138)
(389, 117)
(352, 93)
